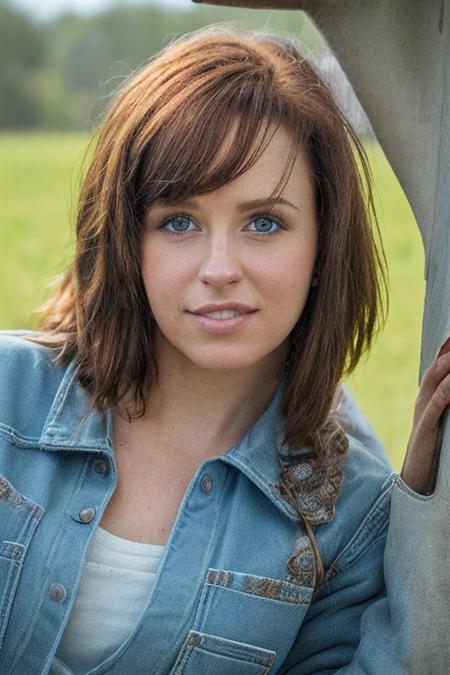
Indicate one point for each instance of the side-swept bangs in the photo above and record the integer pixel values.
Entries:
(196, 117)
(217, 122)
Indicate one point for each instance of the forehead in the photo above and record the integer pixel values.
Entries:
(280, 177)
(281, 168)
(255, 151)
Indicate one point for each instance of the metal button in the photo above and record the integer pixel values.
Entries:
(5, 488)
(17, 552)
(195, 639)
(57, 592)
(86, 515)
(206, 483)
(100, 466)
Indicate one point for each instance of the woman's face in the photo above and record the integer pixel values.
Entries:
(227, 273)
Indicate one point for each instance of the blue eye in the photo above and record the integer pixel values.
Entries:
(178, 224)
(264, 225)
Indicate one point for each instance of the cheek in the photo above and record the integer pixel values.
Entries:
(154, 275)
(165, 276)
(285, 297)
(288, 282)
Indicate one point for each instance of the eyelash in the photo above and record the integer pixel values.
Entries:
(273, 217)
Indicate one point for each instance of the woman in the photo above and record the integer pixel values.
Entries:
(177, 493)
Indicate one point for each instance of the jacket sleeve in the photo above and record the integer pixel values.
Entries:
(346, 625)
(359, 624)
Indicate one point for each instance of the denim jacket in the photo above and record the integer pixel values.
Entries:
(237, 590)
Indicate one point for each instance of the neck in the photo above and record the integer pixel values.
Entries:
(210, 409)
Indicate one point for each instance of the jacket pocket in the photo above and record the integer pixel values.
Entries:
(245, 621)
(19, 518)
(204, 654)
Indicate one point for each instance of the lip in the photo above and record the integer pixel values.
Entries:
(223, 307)
(221, 326)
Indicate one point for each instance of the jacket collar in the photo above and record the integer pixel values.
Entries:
(70, 425)
(300, 485)
(290, 477)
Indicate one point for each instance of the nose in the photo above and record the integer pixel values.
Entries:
(220, 265)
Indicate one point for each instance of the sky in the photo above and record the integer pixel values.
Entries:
(47, 9)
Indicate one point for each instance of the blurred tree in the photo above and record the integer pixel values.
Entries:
(62, 74)
(22, 52)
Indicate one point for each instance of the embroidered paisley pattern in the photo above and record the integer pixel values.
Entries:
(311, 487)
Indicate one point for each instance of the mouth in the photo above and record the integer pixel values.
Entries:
(223, 318)
(222, 315)
(223, 311)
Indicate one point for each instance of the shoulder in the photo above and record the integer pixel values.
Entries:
(22, 357)
(365, 472)
(20, 343)
(29, 380)
(366, 487)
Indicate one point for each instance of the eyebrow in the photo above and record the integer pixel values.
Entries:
(269, 201)
(248, 205)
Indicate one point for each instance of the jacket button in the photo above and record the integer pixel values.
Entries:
(86, 515)
(206, 483)
(57, 592)
(100, 466)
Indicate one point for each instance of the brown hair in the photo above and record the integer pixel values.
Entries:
(158, 142)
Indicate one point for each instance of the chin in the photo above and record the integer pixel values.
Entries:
(215, 360)
(224, 364)
(243, 355)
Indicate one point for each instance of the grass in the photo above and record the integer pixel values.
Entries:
(386, 382)
(38, 185)
(39, 179)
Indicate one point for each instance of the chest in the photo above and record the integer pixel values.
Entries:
(147, 497)
(221, 593)
(222, 600)
(153, 474)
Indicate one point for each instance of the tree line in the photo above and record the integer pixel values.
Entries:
(62, 73)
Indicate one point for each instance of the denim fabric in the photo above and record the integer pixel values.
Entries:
(225, 600)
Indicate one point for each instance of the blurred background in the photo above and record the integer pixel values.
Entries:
(60, 63)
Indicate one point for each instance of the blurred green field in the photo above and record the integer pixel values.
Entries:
(39, 181)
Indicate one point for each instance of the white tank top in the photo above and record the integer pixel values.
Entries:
(117, 579)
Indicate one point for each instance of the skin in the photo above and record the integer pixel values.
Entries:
(422, 457)
(224, 257)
